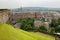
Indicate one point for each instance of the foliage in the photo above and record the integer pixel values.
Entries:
(57, 29)
(58, 21)
(52, 30)
(53, 23)
(27, 23)
(42, 28)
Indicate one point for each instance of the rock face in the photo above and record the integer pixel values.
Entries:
(4, 15)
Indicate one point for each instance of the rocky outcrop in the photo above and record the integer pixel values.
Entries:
(4, 15)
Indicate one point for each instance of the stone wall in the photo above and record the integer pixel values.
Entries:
(4, 15)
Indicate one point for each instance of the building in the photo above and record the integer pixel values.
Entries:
(38, 23)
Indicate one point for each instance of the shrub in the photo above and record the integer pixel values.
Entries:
(53, 23)
(57, 29)
(52, 30)
(42, 28)
(27, 23)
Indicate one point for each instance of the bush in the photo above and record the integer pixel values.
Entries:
(58, 21)
(54, 26)
(27, 27)
(52, 30)
(27, 23)
(53, 23)
(42, 28)
(57, 29)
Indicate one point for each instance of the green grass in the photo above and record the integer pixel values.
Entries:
(7, 32)
(41, 36)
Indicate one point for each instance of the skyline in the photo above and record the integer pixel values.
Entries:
(29, 3)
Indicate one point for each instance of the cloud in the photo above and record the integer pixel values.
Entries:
(27, 3)
(9, 3)
(41, 3)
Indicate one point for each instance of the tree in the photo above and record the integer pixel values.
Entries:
(53, 23)
(27, 23)
(42, 28)
(57, 29)
(52, 30)
(58, 21)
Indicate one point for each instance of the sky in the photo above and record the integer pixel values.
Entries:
(29, 3)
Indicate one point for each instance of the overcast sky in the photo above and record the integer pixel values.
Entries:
(29, 3)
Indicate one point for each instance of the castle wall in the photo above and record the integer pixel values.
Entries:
(4, 15)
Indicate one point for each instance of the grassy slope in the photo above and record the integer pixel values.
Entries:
(38, 36)
(7, 32)
(41, 36)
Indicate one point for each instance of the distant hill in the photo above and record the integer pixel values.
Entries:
(25, 9)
